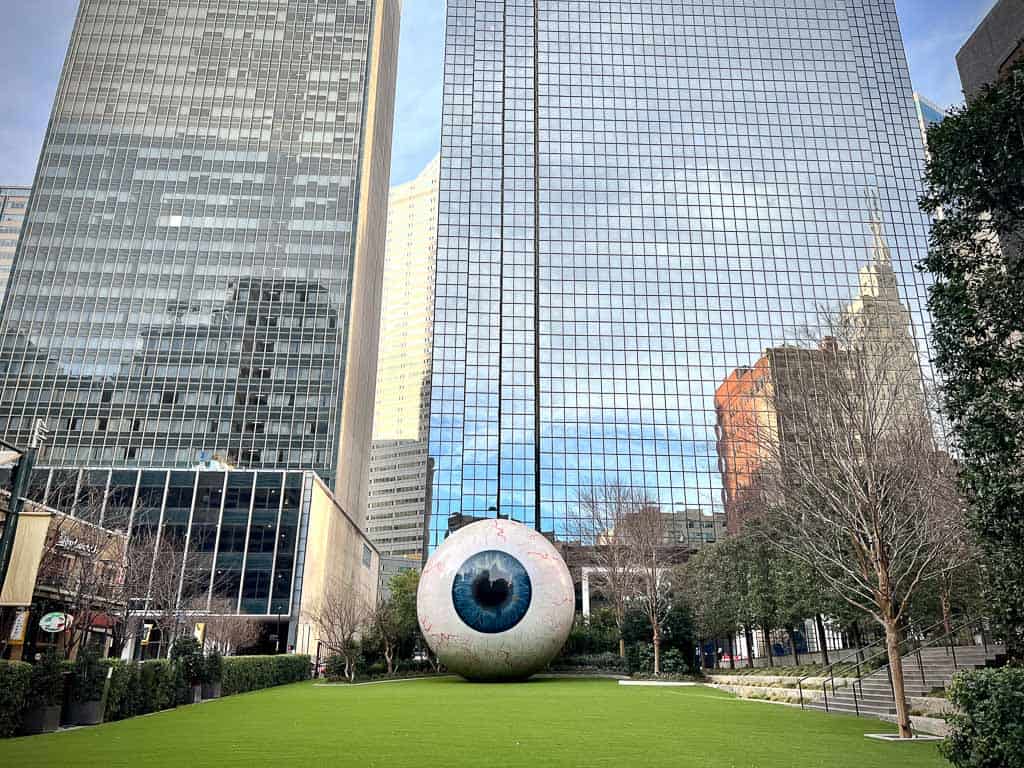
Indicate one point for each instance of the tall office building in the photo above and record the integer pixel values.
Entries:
(993, 48)
(636, 200)
(13, 202)
(928, 114)
(399, 488)
(200, 270)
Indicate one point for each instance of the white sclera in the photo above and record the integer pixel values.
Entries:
(534, 641)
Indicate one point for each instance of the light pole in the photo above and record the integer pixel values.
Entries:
(20, 478)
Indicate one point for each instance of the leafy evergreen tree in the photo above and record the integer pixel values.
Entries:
(975, 190)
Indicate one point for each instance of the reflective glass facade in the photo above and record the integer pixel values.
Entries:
(928, 114)
(239, 530)
(200, 270)
(637, 200)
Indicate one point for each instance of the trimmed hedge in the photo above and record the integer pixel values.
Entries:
(988, 730)
(591, 662)
(251, 673)
(150, 686)
(138, 688)
(46, 688)
(15, 678)
(88, 676)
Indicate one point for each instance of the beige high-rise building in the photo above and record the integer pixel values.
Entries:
(399, 493)
(13, 202)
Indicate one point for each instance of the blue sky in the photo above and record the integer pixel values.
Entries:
(34, 38)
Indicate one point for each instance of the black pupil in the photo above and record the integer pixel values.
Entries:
(490, 593)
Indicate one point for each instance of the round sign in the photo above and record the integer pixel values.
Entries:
(55, 622)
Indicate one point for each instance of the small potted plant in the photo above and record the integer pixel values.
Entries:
(88, 678)
(46, 693)
(213, 671)
(188, 656)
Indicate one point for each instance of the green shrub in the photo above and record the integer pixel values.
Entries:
(672, 662)
(188, 655)
(46, 688)
(157, 686)
(88, 675)
(138, 688)
(592, 662)
(15, 679)
(213, 667)
(123, 698)
(251, 673)
(593, 636)
(988, 730)
(334, 668)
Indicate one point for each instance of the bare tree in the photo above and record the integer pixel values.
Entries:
(340, 615)
(137, 566)
(227, 633)
(386, 625)
(159, 599)
(82, 567)
(644, 534)
(856, 485)
(599, 527)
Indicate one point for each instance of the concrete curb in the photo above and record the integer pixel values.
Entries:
(382, 682)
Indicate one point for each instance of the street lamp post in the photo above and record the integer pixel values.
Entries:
(20, 478)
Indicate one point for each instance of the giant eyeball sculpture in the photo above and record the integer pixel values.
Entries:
(495, 601)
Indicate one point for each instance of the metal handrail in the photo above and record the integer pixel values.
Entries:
(828, 673)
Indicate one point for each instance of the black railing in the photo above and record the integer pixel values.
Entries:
(864, 666)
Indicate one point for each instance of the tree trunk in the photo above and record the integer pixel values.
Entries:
(947, 609)
(732, 652)
(822, 639)
(657, 652)
(389, 657)
(748, 635)
(792, 647)
(892, 645)
(768, 646)
(858, 640)
(622, 647)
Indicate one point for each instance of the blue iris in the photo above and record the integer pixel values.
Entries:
(491, 592)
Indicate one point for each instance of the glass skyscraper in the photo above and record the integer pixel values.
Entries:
(928, 114)
(638, 199)
(199, 275)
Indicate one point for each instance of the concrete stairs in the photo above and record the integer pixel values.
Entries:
(923, 671)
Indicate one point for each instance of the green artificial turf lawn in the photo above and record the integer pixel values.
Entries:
(446, 722)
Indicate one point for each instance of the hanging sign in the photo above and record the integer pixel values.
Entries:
(55, 622)
(20, 628)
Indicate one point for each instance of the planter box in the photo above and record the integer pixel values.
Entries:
(87, 712)
(41, 719)
(211, 690)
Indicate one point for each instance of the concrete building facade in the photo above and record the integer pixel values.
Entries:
(399, 462)
(995, 46)
(13, 206)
